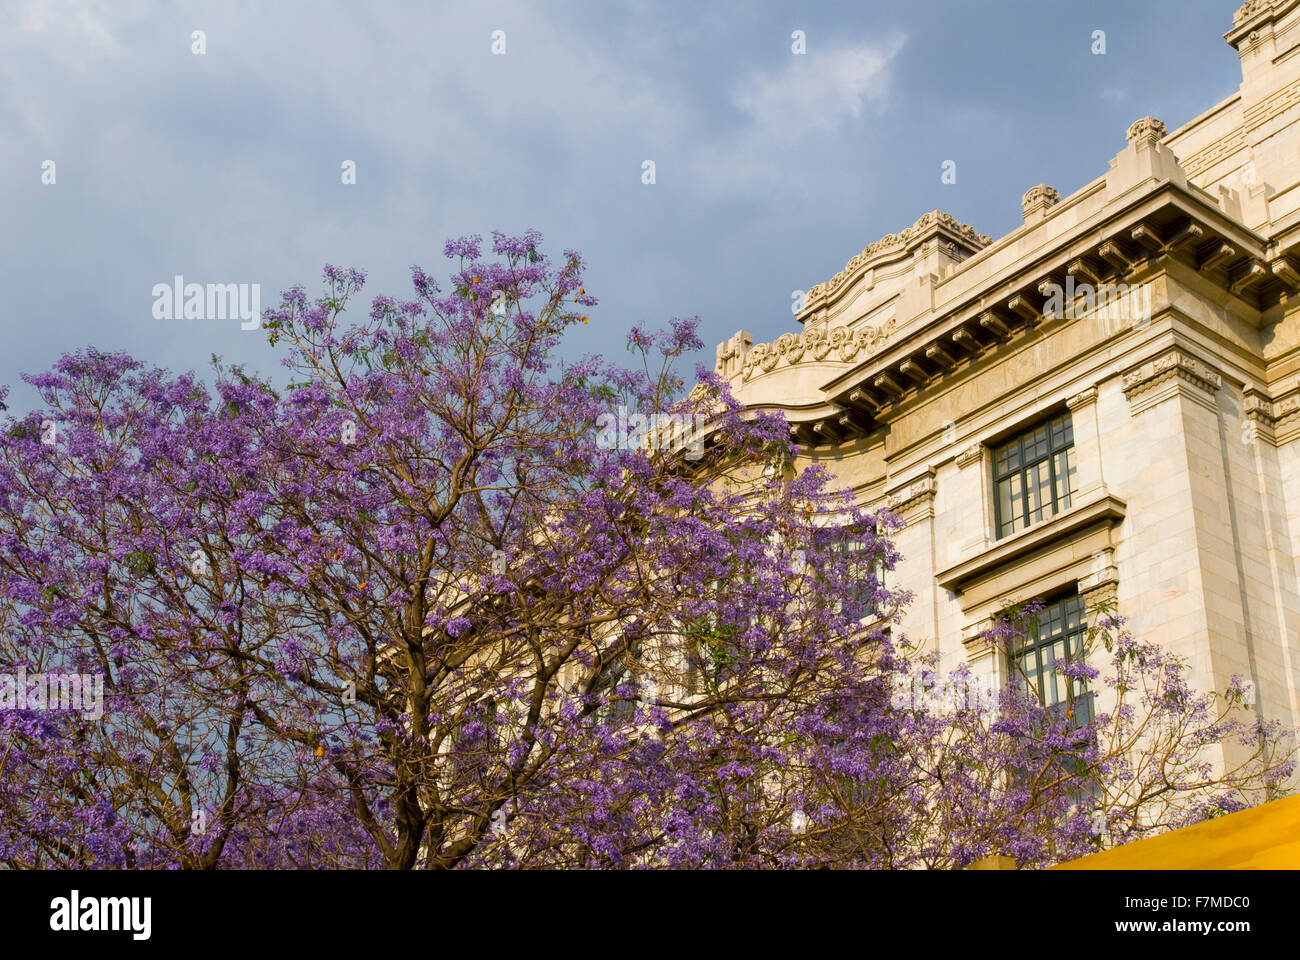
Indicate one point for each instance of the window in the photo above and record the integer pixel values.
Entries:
(868, 573)
(1034, 475)
(868, 581)
(620, 672)
(710, 641)
(1055, 635)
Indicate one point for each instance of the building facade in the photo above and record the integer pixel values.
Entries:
(1102, 404)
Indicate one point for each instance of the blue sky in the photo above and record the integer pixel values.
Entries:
(772, 169)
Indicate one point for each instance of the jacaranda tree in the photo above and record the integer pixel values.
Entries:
(447, 601)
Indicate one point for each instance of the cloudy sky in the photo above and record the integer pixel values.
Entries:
(772, 169)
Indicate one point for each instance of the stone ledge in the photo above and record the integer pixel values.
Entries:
(1103, 507)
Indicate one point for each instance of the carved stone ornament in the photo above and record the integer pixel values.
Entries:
(1038, 198)
(840, 343)
(904, 497)
(1168, 366)
(1172, 372)
(895, 243)
(1249, 9)
(733, 349)
(1148, 129)
(1082, 398)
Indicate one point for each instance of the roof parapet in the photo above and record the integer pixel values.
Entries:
(895, 246)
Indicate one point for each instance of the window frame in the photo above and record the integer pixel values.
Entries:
(621, 669)
(850, 545)
(704, 672)
(1077, 698)
(1057, 425)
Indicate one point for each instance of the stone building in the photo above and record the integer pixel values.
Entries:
(1104, 403)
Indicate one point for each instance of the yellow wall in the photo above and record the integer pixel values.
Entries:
(1263, 837)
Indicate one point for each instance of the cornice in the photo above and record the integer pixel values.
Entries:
(893, 244)
(1254, 15)
(1168, 225)
(815, 344)
(1136, 237)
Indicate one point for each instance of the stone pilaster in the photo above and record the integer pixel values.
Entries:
(1101, 584)
(973, 493)
(1088, 457)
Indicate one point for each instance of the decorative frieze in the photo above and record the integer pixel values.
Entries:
(816, 343)
(970, 456)
(895, 243)
(1225, 146)
(914, 500)
(1253, 116)
(1174, 372)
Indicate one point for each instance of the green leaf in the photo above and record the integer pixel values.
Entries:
(140, 563)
